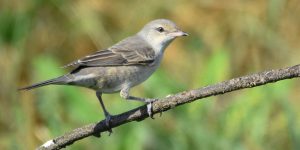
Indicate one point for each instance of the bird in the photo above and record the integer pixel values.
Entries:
(122, 66)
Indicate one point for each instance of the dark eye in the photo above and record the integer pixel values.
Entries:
(160, 29)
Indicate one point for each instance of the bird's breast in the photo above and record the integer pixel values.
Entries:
(116, 78)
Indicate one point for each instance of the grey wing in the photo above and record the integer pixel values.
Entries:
(127, 52)
(135, 50)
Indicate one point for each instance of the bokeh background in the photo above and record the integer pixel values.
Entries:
(227, 39)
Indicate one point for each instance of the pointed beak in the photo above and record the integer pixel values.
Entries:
(178, 33)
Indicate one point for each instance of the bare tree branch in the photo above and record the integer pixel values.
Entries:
(172, 101)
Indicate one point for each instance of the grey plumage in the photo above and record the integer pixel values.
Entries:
(58, 80)
(123, 65)
(130, 51)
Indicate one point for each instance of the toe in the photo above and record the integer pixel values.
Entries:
(149, 110)
(151, 100)
(108, 123)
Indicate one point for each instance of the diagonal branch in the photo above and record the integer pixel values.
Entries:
(172, 101)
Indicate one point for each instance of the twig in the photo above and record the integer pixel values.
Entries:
(172, 101)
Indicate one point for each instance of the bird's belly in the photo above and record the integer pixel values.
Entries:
(114, 79)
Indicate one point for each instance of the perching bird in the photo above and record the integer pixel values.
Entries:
(121, 66)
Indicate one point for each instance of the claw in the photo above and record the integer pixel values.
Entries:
(149, 107)
(107, 123)
(149, 110)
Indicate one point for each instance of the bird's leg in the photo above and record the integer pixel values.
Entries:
(124, 93)
(107, 115)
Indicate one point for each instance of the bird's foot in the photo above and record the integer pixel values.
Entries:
(149, 107)
(150, 100)
(108, 118)
(149, 110)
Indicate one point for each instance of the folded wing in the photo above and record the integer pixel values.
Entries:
(131, 51)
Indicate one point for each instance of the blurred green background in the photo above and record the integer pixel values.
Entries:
(227, 39)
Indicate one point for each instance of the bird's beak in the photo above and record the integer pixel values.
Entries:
(178, 33)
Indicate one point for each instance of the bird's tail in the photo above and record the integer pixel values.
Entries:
(58, 80)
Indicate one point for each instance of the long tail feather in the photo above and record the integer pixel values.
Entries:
(58, 80)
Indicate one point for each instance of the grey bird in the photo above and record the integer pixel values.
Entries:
(121, 66)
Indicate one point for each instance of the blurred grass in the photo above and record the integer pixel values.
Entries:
(227, 39)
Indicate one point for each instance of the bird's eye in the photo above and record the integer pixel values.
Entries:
(160, 29)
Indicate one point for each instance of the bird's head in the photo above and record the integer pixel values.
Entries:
(160, 33)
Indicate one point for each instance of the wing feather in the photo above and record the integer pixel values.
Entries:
(131, 51)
